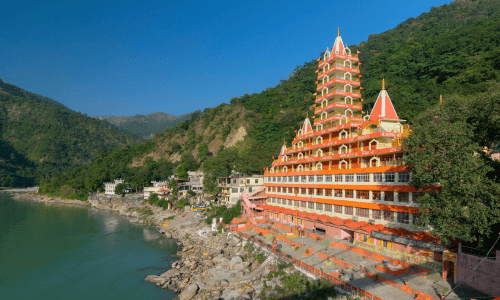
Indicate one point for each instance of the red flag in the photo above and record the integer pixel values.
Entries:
(360, 64)
(295, 131)
(360, 87)
(317, 71)
(315, 94)
(362, 112)
(358, 51)
(362, 100)
(319, 58)
(316, 82)
(313, 117)
(360, 76)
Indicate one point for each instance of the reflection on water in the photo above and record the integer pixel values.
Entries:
(149, 234)
(110, 223)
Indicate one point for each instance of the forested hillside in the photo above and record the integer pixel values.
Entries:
(146, 125)
(453, 49)
(41, 137)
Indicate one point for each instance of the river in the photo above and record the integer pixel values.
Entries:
(52, 251)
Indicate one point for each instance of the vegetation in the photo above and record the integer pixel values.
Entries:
(227, 214)
(445, 148)
(41, 137)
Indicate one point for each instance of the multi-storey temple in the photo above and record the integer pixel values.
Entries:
(343, 174)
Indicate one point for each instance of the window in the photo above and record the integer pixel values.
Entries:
(268, 188)
(311, 178)
(376, 195)
(319, 178)
(279, 189)
(284, 178)
(328, 178)
(302, 191)
(279, 178)
(349, 177)
(302, 203)
(241, 190)
(328, 192)
(362, 195)
(303, 178)
(389, 216)
(296, 191)
(289, 202)
(234, 180)
(404, 197)
(310, 205)
(290, 190)
(404, 177)
(338, 193)
(416, 219)
(319, 206)
(338, 178)
(389, 177)
(248, 181)
(296, 178)
(290, 178)
(250, 189)
(274, 189)
(338, 209)
(385, 244)
(348, 194)
(415, 197)
(328, 207)
(363, 177)
(389, 196)
(310, 191)
(274, 179)
(403, 218)
(234, 190)
(362, 212)
(256, 181)
(377, 177)
(269, 200)
(319, 192)
(274, 200)
(348, 210)
(278, 201)
(376, 214)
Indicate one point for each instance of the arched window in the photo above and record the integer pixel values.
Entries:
(319, 166)
(319, 140)
(343, 118)
(343, 164)
(347, 51)
(324, 103)
(374, 162)
(373, 142)
(319, 127)
(348, 100)
(343, 134)
(326, 78)
(300, 168)
(300, 155)
(348, 88)
(324, 91)
(347, 76)
(348, 113)
(285, 169)
(319, 153)
(343, 149)
(366, 118)
(300, 144)
(347, 64)
(324, 115)
(300, 132)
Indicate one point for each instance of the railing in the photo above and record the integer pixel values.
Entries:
(334, 58)
(360, 293)
(337, 102)
(336, 166)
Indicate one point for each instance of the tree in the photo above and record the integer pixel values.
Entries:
(182, 171)
(174, 188)
(120, 188)
(191, 193)
(445, 150)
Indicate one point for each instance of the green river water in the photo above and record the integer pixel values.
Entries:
(63, 252)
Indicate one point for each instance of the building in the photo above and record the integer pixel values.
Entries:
(159, 187)
(109, 187)
(343, 173)
(196, 181)
(232, 187)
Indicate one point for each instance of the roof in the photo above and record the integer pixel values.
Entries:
(338, 46)
(383, 108)
(306, 127)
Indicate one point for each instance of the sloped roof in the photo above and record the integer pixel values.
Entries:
(383, 108)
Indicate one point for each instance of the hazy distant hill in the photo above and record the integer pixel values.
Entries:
(146, 125)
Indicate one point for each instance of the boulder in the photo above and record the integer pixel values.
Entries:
(189, 292)
(221, 283)
(171, 273)
(236, 260)
(230, 294)
(155, 279)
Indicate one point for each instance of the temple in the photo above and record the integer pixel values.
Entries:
(343, 175)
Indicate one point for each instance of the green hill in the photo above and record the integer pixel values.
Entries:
(453, 49)
(146, 125)
(42, 137)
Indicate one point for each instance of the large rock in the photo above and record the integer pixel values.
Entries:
(189, 292)
(221, 283)
(236, 260)
(171, 273)
(155, 279)
(230, 294)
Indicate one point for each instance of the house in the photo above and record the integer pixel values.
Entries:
(232, 187)
(109, 187)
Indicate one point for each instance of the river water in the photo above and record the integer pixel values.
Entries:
(63, 252)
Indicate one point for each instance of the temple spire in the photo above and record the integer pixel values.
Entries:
(440, 99)
(383, 83)
(338, 31)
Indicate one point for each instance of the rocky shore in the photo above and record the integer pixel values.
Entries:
(211, 265)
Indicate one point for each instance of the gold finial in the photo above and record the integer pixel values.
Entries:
(338, 31)
(441, 99)
(307, 115)
(383, 83)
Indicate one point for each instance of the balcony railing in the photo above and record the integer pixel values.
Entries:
(337, 166)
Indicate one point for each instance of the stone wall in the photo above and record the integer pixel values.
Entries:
(103, 201)
(485, 278)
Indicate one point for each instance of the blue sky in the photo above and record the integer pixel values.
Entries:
(133, 57)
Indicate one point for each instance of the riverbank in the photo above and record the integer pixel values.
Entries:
(211, 265)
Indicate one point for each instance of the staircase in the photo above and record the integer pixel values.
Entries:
(249, 206)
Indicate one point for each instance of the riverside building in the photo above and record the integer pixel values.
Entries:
(343, 174)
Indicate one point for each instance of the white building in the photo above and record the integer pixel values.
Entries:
(109, 187)
(232, 187)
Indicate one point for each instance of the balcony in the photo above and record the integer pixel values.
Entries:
(352, 57)
(338, 92)
(337, 166)
(355, 105)
(337, 67)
